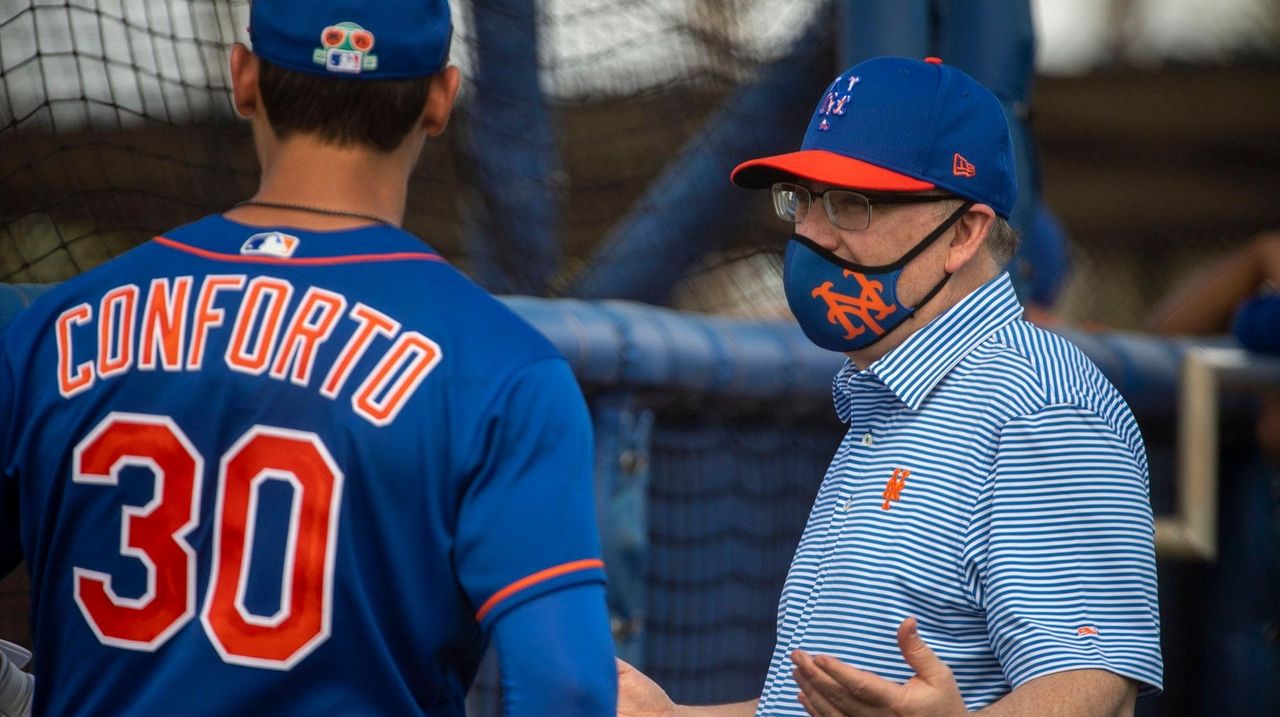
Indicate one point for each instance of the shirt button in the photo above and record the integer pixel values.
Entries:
(848, 504)
(866, 439)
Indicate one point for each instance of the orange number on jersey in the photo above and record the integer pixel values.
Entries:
(155, 535)
(302, 621)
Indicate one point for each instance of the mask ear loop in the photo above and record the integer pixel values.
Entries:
(932, 292)
(955, 217)
(933, 235)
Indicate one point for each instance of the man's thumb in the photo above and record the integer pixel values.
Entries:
(919, 656)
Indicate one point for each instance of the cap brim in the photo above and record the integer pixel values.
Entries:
(821, 166)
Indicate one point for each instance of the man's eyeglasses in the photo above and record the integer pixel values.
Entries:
(846, 209)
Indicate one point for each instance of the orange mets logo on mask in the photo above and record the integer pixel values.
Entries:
(842, 309)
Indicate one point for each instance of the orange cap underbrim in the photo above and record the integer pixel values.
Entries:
(822, 166)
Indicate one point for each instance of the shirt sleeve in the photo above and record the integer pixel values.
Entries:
(556, 655)
(1063, 539)
(527, 524)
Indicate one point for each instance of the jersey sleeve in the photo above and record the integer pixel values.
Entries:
(556, 655)
(527, 523)
(10, 544)
(1063, 536)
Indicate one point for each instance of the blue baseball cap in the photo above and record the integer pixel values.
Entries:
(893, 124)
(353, 39)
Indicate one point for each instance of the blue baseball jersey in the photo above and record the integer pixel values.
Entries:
(284, 472)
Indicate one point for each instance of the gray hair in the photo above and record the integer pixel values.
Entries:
(1002, 239)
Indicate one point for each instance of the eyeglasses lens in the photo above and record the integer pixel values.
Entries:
(848, 210)
(790, 202)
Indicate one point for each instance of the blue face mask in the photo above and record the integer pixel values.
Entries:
(843, 306)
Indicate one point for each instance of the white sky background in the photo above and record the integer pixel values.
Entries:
(1075, 36)
(588, 46)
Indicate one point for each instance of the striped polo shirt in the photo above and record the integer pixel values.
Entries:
(993, 484)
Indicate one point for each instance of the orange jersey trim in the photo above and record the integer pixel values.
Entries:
(539, 577)
(313, 261)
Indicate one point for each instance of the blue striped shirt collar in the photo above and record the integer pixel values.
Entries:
(913, 369)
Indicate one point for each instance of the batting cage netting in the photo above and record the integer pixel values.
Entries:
(579, 128)
(116, 124)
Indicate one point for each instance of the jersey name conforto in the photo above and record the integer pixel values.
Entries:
(167, 328)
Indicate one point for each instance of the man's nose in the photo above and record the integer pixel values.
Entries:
(816, 227)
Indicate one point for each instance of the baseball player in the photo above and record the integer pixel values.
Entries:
(287, 460)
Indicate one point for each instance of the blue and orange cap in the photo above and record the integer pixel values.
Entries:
(353, 39)
(892, 124)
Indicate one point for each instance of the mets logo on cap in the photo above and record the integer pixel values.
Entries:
(346, 49)
(277, 244)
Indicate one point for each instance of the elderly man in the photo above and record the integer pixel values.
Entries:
(983, 538)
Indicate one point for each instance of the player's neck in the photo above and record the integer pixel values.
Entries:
(306, 172)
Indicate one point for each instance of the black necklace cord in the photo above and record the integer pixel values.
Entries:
(314, 210)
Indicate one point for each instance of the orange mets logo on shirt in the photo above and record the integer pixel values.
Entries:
(843, 308)
(893, 489)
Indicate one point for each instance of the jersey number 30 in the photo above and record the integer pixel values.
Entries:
(155, 534)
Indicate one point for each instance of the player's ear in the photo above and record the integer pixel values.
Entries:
(442, 90)
(244, 80)
(970, 233)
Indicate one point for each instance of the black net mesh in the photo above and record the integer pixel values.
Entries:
(116, 122)
(727, 504)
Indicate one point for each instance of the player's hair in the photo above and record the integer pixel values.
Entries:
(373, 113)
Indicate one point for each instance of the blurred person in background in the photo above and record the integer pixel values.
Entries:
(1240, 294)
(286, 460)
(983, 539)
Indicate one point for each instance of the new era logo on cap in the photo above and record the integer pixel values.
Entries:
(962, 167)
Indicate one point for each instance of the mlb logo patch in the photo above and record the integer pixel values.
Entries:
(344, 61)
(275, 244)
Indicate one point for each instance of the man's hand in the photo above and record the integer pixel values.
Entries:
(830, 688)
(639, 696)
